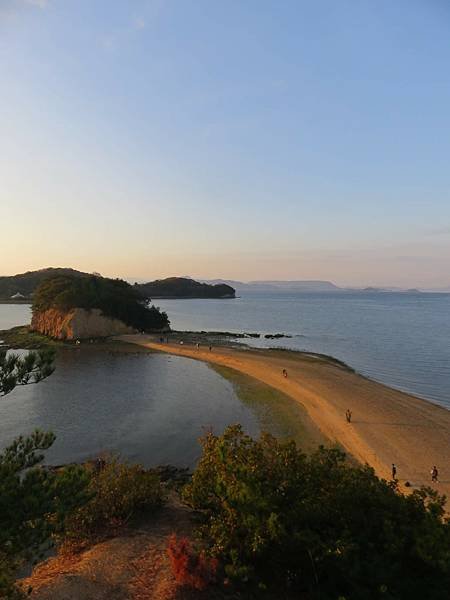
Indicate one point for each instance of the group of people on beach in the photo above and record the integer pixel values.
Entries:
(434, 471)
(198, 346)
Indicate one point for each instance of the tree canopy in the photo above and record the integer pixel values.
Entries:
(316, 526)
(26, 283)
(114, 297)
(31, 368)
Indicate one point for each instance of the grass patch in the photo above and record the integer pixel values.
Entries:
(279, 414)
(22, 338)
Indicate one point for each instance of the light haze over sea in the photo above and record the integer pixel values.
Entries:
(402, 340)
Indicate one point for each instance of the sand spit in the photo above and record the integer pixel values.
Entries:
(388, 426)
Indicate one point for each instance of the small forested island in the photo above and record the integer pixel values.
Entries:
(184, 287)
(74, 307)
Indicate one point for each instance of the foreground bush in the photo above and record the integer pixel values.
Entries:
(34, 504)
(190, 568)
(118, 491)
(279, 519)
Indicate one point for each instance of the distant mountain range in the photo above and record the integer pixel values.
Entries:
(278, 286)
(23, 285)
(311, 286)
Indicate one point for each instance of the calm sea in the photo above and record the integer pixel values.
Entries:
(151, 408)
(402, 340)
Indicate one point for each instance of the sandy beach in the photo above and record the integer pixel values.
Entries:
(388, 426)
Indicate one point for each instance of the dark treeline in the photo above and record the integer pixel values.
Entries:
(182, 287)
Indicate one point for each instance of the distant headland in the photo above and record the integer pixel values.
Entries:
(184, 287)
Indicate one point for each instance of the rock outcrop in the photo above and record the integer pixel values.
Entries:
(77, 323)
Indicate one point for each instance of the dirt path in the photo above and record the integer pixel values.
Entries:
(388, 426)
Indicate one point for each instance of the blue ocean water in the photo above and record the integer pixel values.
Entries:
(400, 339)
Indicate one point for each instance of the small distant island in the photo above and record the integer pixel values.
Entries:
(70, 307)
(184, 287)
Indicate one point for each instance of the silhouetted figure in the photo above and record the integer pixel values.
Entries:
(394, 472)
(348, 415)
(210, 348)
(284, 373)
(434, 474)
(100, 464)
(198, 346)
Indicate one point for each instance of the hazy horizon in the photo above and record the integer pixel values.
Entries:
(144, 279)
(244, 141)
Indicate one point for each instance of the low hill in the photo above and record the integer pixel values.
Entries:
(183, 287)
(25, 283)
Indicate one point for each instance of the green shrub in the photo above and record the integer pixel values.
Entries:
(34, 504)
(118, 491)
(277, 518)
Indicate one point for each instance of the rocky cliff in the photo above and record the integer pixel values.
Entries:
(77, 323)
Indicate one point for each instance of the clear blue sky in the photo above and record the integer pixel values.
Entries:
(241, 139)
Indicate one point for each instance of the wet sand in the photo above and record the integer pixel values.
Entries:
(388, 426)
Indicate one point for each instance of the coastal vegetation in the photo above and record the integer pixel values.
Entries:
(117, 492)
(183, 287)
(34, 502)
(282, 522)
(23, 338)
(114, 297)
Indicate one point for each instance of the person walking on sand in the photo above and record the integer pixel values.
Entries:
(198, 346)
(394, 472)
(434, 474)
(284, 373)
(210, 348)
(348, 415)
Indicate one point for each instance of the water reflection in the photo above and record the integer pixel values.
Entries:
(150, 408)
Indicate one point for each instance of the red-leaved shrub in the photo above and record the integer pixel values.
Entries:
(190, 568)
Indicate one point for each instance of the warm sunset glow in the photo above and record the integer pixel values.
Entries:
(250, 142)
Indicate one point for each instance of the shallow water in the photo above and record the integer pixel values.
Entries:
(12, 315)
(149, 408)
(402, 340)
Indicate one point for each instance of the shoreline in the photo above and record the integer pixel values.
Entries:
(388, 425)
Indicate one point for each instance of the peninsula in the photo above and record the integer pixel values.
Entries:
(388, 426)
